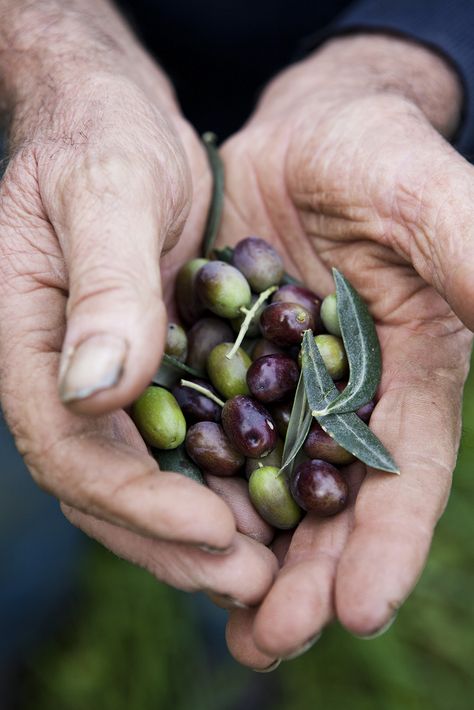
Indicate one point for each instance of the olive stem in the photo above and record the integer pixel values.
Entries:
(249, 314)
(202, 390)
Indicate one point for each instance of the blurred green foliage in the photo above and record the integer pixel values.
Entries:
(134, 643)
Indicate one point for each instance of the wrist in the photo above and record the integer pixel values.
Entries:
(351, 67)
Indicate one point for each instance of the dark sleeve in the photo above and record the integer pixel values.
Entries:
(447, 26)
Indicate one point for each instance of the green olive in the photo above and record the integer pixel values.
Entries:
(189, 305)
(270, 494)
(229, 377)
(176, 342)
(333, 354)
(222, 289)
(329, 315)
(159, 419)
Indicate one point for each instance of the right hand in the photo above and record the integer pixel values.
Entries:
(98, 187)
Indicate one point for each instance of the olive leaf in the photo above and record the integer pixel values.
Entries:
(347, 429)
(217, 198)
(169, 365)
(177, 460)
(362, 348)
(298, 426)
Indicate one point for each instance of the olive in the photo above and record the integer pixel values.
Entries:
(222, 289)
(189, 305)
(212, 451)
(292, 293)
(159, 419)
(249, 426)
(195, 406)
(176, 342)
(229, 377)
(281, 412)
(333, 353)
(320, 445)
(253, 330)
(259, 262)
(274, 458)
(273, 377)
(318, 487)
(264, 347)
(270, 494)
(284, 323)
(329, 315)
(205, 334)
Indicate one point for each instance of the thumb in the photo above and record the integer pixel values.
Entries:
(433, 222)
(112, 227)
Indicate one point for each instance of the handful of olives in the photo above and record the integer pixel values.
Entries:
(231, 411)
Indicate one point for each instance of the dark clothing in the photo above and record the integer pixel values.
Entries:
(220, 53)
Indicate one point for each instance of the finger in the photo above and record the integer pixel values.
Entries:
(300, 603)
(241, 644)
(418, 420)
(112, 211)
(234, 491)
(98, 465)
(244, 574)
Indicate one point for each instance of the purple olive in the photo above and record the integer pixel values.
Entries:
(195, 406)
(284, 323)
(291, 293)
(203, 337)
(209, 447)
(249, 426)
(259, 262)
(264, 347)
(319, 488)
(281, 412)
(189, 304)
(272, 378)
(320, 445)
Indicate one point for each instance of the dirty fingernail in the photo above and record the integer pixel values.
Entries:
(378, 632)
(273, 666)
(95, 364)
(226, 601)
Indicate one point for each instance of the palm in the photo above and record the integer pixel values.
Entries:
(330, 190)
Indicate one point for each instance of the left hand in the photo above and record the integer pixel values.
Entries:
(342, 173)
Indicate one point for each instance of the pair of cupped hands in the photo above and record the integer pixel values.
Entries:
(106, 196)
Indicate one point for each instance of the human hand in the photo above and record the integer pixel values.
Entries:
(99, 185)
(343, 165)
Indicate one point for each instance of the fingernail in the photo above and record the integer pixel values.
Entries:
(95, 364)
(378, 632)
(273, 666)
(302, 649)
(226, 601)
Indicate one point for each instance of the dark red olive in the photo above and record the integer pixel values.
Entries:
(249, 426)
(203, 337)
(209, 447)
(195, 406)
(284, 323)
(291, 293)
(259, 262)
(319, 445)
(264, 347)
(273, 377)
(319, 488)
(281, 412)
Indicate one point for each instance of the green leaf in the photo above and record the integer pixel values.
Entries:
(362, 348)
(298, 427)
(177, 460)
(224, 254)
(217, 197)
(347, 429)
